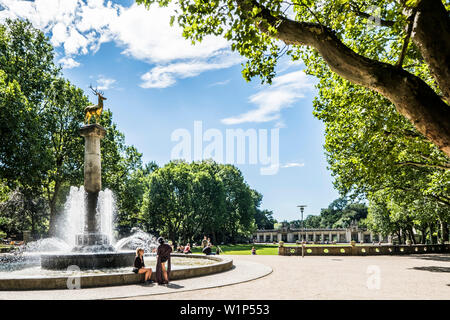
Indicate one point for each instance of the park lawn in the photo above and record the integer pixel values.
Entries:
(243, 249)
(261, 249)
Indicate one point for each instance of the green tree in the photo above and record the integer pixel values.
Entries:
(186, 201)
(312, 222)
(26, 71)
(132, 192)
(61, 117)
(264, 219)
(341, 213)
(403, 56)
(41, 154)
(397, 213)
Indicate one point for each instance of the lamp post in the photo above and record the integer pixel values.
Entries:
(302, 208)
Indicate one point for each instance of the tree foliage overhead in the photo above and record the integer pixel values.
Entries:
(384, 80)
(399, 49)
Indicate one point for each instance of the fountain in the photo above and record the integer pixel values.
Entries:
(93, 245)
(86, 239)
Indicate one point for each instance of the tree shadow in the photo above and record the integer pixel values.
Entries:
(433, 269)
(445, 258)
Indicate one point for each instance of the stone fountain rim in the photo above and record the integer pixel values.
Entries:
(115, 279)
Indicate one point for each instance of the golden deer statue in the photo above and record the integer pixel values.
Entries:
(94, 110)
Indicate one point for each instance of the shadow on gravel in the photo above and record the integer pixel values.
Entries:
(433, 269)
(174, 286)
(445, 258)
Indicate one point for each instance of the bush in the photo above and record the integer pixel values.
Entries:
(2, 235)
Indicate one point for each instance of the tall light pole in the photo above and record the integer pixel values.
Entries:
(302, 208)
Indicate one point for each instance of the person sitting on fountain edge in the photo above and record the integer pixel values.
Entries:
(163, 256)
(139, 266)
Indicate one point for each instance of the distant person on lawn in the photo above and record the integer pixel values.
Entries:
(163, 256)
(139, 266)
(253, 251)
(204, 242)
(207, 250)
(187, 248)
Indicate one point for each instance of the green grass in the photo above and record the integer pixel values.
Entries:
(243, 249)
(261, 249)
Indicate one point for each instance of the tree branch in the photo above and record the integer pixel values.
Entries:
(407, 37)
(420, 164)
(412, 97)
(358, 12)
(431, 34)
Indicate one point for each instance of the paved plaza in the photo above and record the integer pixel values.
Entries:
(283, 277)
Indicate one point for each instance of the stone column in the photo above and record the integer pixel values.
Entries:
(92, 172)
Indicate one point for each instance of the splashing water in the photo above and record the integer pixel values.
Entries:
(72, 221)
(139, 239)
(46, 245)
(106, 209)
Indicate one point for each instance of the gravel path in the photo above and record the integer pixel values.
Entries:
(281, 277)
(351, 277)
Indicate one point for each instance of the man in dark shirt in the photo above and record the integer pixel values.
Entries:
(163, 255)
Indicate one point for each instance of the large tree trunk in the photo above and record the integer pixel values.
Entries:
(444, 231)
(424, 235)
(431, 34)
(412, 97)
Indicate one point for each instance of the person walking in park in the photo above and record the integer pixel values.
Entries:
(163, 256)
(139, 265)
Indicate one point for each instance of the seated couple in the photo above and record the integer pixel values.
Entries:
(186, 249)
(162, 256)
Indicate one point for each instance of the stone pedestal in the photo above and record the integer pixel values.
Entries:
(92, 240)
(92, 134)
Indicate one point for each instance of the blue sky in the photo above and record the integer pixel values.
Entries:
(156, 83)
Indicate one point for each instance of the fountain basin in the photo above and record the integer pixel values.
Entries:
(87, 260)
(220, 264)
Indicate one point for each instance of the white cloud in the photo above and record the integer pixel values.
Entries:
(68, 63)
(284, 91)
(293, 165)
(80, 27)
(163, 76)
(147, 35)
(104, 83)
(220, 83)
